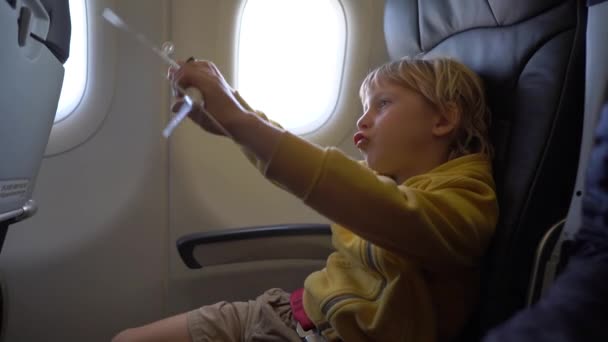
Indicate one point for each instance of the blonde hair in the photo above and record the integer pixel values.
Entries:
(443, 82)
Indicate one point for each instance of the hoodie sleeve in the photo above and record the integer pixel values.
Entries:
(447, 224)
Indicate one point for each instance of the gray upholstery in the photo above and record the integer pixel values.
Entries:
(32, 76)
(555, 255)
(530, 55)
(596, 96)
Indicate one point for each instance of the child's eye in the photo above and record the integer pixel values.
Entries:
(383, 103)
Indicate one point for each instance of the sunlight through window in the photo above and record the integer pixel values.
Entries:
(75, 78)
(290, 60)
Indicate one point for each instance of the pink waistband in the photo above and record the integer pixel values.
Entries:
(297, 309)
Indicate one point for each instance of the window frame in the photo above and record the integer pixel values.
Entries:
(88, 116)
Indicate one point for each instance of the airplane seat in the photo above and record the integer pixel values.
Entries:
(553, 254)
(35, 39)
(531, 58)
(567, 287)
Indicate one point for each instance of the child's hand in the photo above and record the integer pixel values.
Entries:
(244, 126)
(195, 115)
(217, 94)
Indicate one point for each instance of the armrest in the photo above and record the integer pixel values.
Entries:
(304, 235)
(542, 261)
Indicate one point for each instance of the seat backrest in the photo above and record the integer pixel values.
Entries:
(596, 97)
(530, 55)
(35, 38)
(553, 256)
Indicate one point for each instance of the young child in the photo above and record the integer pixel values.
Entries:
(411, 221)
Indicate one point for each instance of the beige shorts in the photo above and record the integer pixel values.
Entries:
(267, 318)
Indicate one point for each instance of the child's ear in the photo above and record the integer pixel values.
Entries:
(447, 120)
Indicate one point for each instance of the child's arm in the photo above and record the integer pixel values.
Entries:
(445, 227)
(448, 226)
(349, 189)
(250, 155)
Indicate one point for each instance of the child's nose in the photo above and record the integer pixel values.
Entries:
(364, 122)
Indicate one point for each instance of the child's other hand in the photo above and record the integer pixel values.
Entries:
(217, 94)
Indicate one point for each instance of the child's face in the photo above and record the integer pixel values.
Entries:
(396, 130)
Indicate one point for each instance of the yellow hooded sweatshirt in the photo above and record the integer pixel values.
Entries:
(407, 257)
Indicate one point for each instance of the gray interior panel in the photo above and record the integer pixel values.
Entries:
(29, 103)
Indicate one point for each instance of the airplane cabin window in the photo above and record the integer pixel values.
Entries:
(75, 78)
(290, 59)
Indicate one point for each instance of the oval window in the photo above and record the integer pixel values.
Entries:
(290, 60)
